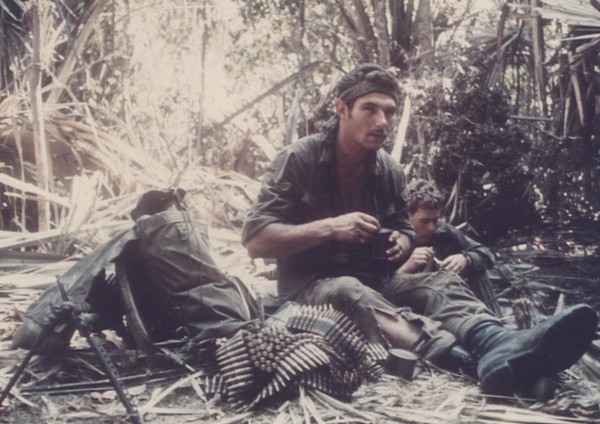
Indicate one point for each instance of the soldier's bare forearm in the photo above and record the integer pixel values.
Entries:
(280, 240)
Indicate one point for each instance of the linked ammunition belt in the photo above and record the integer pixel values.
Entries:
(311, 346)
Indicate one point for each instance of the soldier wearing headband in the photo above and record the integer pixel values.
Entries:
(365, 79)
(328, 196)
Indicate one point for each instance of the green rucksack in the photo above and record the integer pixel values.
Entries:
(166, 283)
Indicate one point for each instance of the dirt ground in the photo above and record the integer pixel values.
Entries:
(538, 275)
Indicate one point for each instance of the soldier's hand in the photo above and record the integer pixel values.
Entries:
(354, 227)
(418, 260)
(456, 263)
(401, 246)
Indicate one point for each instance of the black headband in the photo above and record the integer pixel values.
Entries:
(367, 86)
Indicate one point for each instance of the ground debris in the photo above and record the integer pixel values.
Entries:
(74, 390)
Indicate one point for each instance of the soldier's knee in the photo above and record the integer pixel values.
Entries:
(351, 288)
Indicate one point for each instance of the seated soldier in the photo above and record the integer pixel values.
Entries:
(440, 245)
(325, 197)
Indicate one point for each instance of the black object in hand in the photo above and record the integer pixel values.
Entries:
(380, 243)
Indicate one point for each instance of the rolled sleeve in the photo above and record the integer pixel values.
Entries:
(455, 241)
(481, 257)
(276, 198)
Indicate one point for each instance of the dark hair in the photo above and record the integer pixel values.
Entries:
(364, 79)
(423, 194)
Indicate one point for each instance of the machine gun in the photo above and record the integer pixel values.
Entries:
(68, 313)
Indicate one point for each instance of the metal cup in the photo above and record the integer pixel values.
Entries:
(380, 243)
(401, 363)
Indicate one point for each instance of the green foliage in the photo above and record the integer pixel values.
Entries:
(254, 11)
(474, 147)
(166, 77)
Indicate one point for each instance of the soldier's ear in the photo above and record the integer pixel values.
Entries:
(341, 108)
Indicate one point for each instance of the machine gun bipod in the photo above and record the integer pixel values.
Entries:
(69, 313)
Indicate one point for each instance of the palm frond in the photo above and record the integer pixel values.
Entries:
(570, 12)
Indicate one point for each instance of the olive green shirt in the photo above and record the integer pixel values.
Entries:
(300, 186)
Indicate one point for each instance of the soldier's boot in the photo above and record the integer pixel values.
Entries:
(458, 359)
(512, 361)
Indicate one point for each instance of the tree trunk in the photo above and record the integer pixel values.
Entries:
(201, 106)
(381, 33)
(402, 25)
(42, 159)
(359, 27)
(424, 30)
(538, 56)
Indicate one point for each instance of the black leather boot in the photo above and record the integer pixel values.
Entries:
(514, 361)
